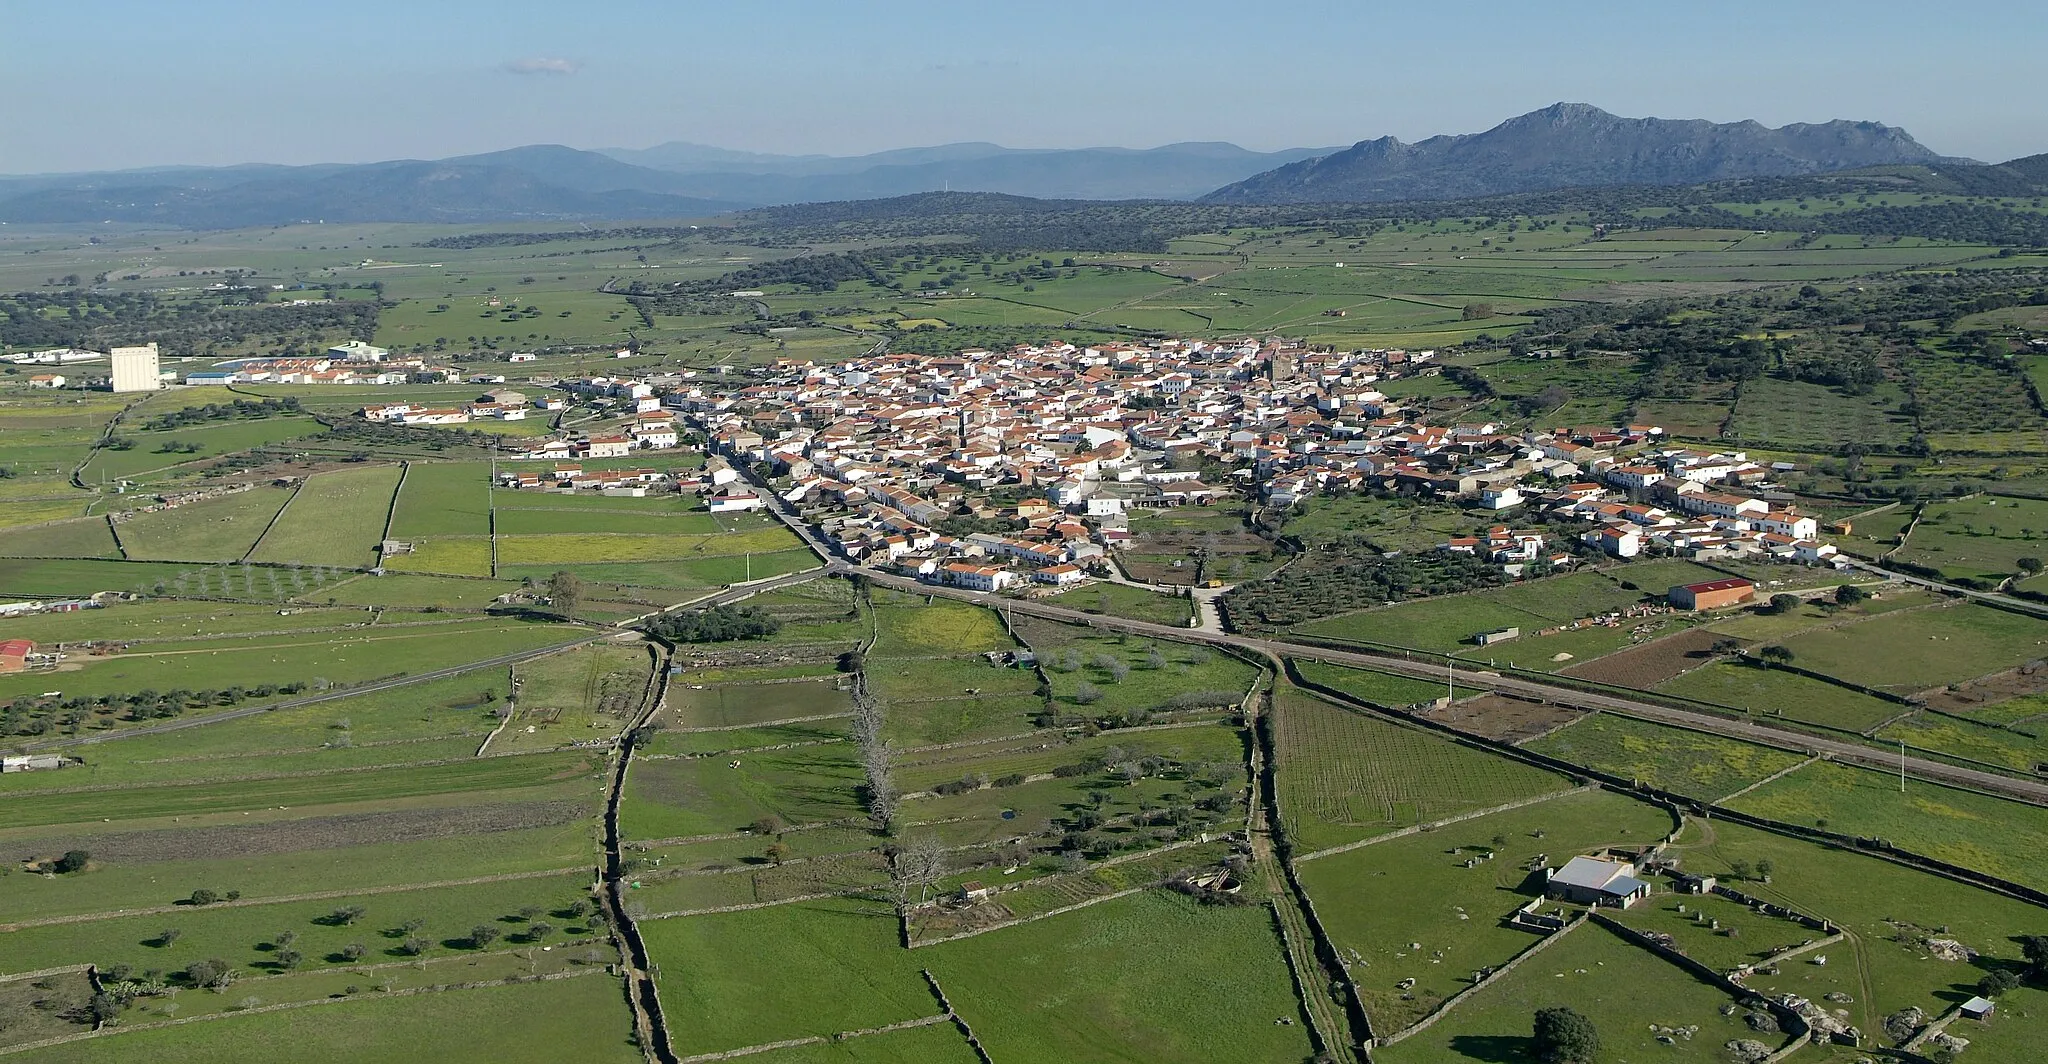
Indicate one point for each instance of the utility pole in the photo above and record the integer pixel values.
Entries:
(1902, 766)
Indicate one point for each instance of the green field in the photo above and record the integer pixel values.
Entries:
(518, 1024)
(215, 530)
(1345, 776)
(1376, 901)
(335, 519)
(1694, 764)
(1919, 649)
(2005, 838)
(443, 499)
(1775, 692)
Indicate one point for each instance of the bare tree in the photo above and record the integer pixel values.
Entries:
(873, 749)
(916, 867)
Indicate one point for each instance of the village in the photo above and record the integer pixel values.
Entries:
(1052, 449)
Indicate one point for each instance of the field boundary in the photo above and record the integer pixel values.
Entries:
(1416, 829)
(282, 899)
(308, 1003)
(1772, 778)
(1445, 1006)
(818, 1039)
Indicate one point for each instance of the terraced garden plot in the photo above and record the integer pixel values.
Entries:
(1622, 988)
(85, 537)
(726, 705)
(1774, 692)
(1111, 983)
(525, 1023)
(1707, 767)
(1919, 649)
(443, 499)
(2004, 838)
(1344, 776)
(815, 968)
(707, 796)
(1375, 901)
(336, 518)
(212, 530)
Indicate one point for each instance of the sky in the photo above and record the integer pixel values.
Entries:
(101, 84)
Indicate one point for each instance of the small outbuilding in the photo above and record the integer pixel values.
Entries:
(1596, 881)
(1712, 594)
(1978, 1008)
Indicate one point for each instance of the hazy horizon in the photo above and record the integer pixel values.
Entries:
(126, 85)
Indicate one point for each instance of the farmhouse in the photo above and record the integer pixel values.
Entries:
(1712, 594)
(14, 654)
(1596, 881)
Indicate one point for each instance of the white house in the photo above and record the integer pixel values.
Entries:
(1064, 575)
(726, 504)
(977, 577)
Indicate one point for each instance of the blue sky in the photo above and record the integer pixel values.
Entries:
(93, 85)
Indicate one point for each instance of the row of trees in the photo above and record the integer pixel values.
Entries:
(716, 624)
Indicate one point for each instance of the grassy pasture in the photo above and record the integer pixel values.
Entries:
(629, 547)
(445, 555)
(29, 810)
(1980, 538)
(112, 885)
(1449, 623)
(51, 579)
(1345, 776)
(444, 499)
(416, 591)
(1673, 759)
(1118, 982)
(586, 693)
(363, 654)
(2019, 749)
(543, 521)
(526, 1023)
(1775, 692)
(1620, 987)
(939, 1043)
(336, 518)
(815, 968)
(2005, 838)
(149, 455)
(934, 628)
(213, 530)
(1892, 911)
(1376, 900)
(1916, 650)
(726, 705)
(1122, 600)
(86, 537)
(676, 799)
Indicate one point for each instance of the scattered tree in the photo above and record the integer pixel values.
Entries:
(482, 935)
(1563, 1036)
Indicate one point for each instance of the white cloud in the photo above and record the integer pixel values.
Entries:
(543, 65)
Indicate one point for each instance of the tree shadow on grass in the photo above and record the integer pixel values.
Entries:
(1495, 1049)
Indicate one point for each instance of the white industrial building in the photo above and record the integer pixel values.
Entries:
(135, 369)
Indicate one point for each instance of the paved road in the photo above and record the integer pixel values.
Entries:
(1848, 752)
(1839, 750)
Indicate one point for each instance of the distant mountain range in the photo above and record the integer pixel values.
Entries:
(1576, 145)
(1562, 146)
